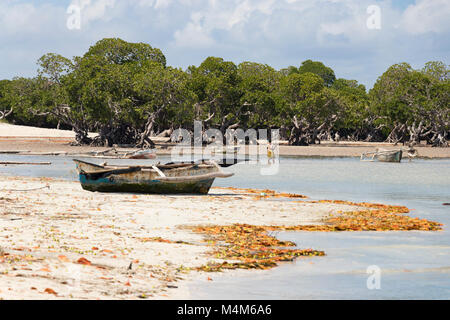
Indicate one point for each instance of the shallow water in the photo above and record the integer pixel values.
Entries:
(414, 265)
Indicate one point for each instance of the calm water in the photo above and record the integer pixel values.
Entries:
(414, 265)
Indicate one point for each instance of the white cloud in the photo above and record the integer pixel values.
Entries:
(427, 16)
(219, 16)
(276, 32)
(348, 19)
(92, 10)
(18, 18)
(162, 4)
(193, 36)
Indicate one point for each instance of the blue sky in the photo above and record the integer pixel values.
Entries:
(277, 32)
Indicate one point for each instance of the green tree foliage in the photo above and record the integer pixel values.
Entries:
(259, 100)
(103, 90)
(20, 97)
(413, 104)
(354, 115)
(5, 105)
(105, 85)
(437, 70)
(118, 51)
(318, 68)
(166, 101)
(309, 107)
(215, 84)
(57, 99)
(126, 93)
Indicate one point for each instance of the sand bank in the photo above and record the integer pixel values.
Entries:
(51, 145)
(62, 242)
(23, 138)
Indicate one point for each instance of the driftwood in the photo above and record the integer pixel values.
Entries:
(26, 163)
(26, 190)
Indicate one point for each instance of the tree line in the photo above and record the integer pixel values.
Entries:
(127, 93)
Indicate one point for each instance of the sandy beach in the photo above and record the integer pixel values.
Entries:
(58, 241)
(224, 159)
(62, 242)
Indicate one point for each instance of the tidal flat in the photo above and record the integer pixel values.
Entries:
(60, 242)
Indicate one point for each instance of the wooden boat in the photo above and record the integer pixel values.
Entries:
(226, 150)
(141, 154)
(114, 154)
(171, 178)
(383, 155)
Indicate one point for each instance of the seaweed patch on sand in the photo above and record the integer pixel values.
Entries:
(250, 247)
(375, 217)
(83, 245)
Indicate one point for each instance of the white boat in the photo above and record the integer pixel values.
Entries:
(383, 155)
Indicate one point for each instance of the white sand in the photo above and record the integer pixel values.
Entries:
(10, 130)
(50, 229)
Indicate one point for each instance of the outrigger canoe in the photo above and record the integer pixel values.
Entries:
(170, 178)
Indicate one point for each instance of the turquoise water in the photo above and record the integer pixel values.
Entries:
(414, 265)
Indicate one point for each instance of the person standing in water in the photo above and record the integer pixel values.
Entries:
(270, 153)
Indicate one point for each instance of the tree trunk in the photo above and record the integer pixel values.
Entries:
(4, 113)
(145, 136)
(298, 136)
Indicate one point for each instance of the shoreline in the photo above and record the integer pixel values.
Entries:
(118, 246)
(14, 138)
(52, 145)
(58, 241)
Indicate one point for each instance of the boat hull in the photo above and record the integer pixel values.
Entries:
(383, 155)
(390, 157)
(145, 186)
(142, 155)
(165, 179)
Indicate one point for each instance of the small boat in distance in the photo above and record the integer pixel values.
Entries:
(226, 150)
(171, 178)
(115, 154)
(141, 154)
(383, 155)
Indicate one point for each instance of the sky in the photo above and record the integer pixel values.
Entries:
(358, 39)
